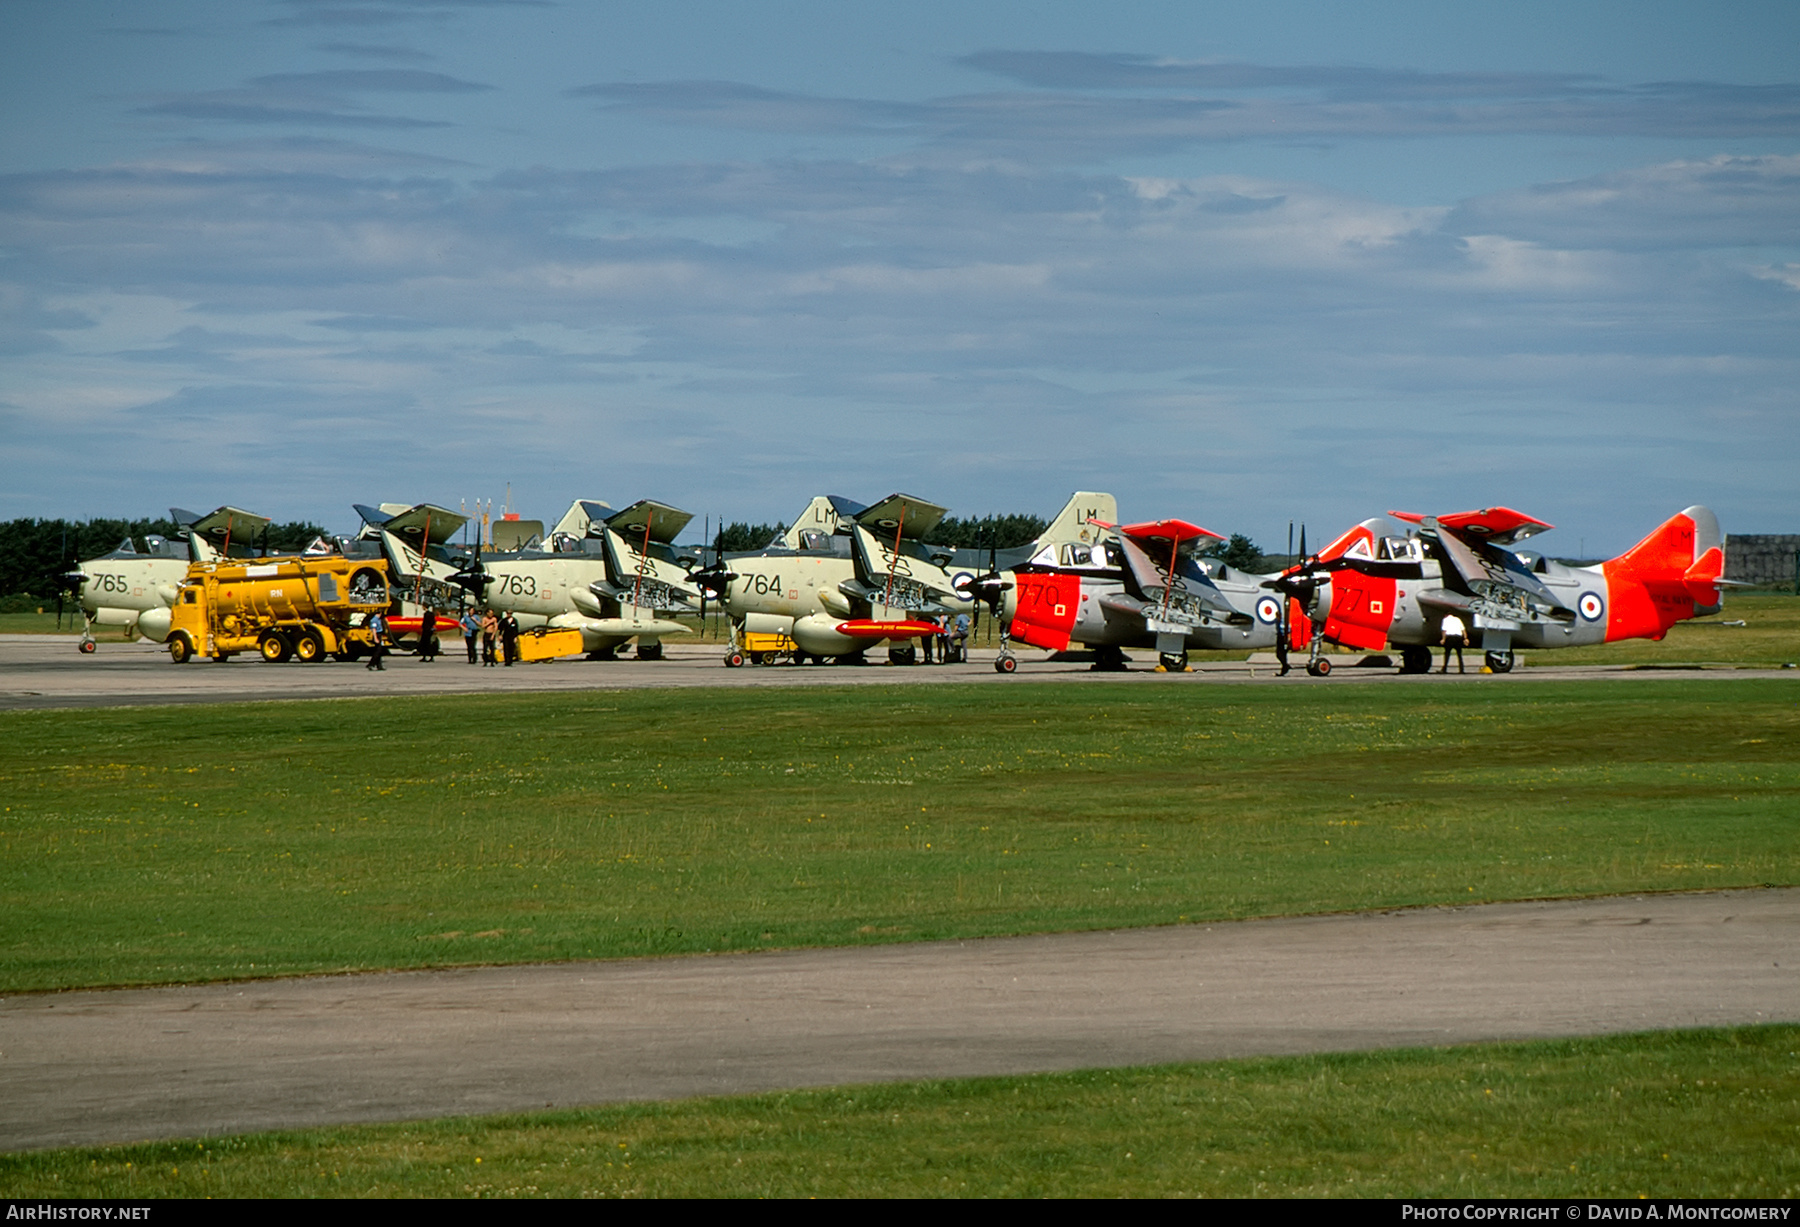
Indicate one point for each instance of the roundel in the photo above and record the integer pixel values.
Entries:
(1591, 606)
(1268, 609)
(960, 582)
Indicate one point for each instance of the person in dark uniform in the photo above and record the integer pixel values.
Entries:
(509, 638)
(377, 641)
(428, 635)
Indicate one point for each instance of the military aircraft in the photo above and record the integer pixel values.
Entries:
(843, 577)
(1371, 588)
(136, 591)
(1139, 585)
(612, 575)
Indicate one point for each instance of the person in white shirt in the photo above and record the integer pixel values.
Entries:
(1455, 635)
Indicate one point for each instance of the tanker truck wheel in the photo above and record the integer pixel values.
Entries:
(734, 660)
(181, 649)
(274, 647)
(309, 647)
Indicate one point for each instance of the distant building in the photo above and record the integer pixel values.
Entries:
(1768, 559)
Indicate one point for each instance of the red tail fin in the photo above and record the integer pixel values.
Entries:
(1669, 576)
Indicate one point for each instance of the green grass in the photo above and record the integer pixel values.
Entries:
(142, 845)
(1677, 1114)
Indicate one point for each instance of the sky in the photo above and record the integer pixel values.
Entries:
(1240, 264)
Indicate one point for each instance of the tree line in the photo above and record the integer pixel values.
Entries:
(34, 554)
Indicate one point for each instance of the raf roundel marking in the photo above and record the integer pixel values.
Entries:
(960, 582)
(1591, 606)
(1268, 609)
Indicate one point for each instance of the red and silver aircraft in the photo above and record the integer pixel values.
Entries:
(1136, 586)
(1369, 590)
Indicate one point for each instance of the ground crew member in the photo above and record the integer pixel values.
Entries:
(378, 641)
(1455, 635)
(962, 637)
(471, 628)
(490, 631)
(428, 635)
(509, 639)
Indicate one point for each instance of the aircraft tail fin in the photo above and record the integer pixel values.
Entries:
(1079, 518)
(1685, 552)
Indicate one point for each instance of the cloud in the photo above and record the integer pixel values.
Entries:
(385, 80)
(727, 104)
(366, 13)
(273, 105)
(1720, 202)
(1154, 107)
(1172, 335)
(1086, 70)
(374, 51)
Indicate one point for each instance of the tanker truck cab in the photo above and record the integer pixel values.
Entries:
(280, 608)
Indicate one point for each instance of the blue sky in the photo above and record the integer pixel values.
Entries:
(1241, 264)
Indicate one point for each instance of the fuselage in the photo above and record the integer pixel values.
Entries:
(1077, 593)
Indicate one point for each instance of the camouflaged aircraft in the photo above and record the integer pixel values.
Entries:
(137, 591)
(612, 575)
(1373, 587)
(1135, 586)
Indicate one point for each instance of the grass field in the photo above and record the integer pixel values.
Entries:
(145, 845)
(1676, 1114)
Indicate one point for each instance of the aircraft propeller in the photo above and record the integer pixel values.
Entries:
(472, 577)
(714, 579)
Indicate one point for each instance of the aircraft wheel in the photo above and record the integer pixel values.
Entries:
(180, 649)
(1109, 660)
(734, 660)
(274, 647)
(309, 647)
(87, 647)
(1320, 668)
(903, 656)
(1415, 659)
(1006, 664)
(649, 651)
(1500, 662)
(1173, 662)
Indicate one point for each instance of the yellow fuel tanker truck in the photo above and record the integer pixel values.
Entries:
(279, 607)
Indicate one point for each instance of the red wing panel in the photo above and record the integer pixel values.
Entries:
(1045, 610)
(1362, 609)
(1167, 530)
(1647, 585)
(1497, 524)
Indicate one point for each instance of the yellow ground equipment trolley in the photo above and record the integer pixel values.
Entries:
(548, 643)
(278, 607)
